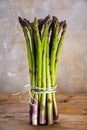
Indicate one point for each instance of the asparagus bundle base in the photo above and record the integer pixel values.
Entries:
(44, 39)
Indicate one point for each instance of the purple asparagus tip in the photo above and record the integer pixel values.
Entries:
(21, 21)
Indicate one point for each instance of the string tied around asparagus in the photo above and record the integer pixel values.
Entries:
(26, 95)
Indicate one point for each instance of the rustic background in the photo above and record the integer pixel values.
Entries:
(72, 75)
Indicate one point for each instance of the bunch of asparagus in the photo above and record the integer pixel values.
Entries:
(44, 39)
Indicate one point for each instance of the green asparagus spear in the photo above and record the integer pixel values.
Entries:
(43, 96)
(53, 50)
(60, 46)
(29, 53)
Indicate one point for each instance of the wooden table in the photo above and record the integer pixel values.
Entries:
(72, 108)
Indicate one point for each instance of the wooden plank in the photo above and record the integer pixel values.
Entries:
(72, 109)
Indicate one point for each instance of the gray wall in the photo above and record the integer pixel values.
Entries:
(72, 74)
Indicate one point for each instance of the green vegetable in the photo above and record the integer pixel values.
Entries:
(44, 39)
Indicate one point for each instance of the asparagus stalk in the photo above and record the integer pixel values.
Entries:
(28, 25)
(49, 96)
(38, 58)
(39, 52)
(29, 53)
(29, 56)
(60, 46)
(33, 109)
(42, 118)
(52, 62)
(53, 51)
(62, 24)
(43, 96)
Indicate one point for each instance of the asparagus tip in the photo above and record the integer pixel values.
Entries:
(21, 21)
(27, 21)
(55, 19)
(47, 17)
(65, 25)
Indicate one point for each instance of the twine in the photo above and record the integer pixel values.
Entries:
(26, 95)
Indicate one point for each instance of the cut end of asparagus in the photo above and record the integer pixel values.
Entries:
(55, 117)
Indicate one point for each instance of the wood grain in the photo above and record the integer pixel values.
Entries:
(72, 109)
